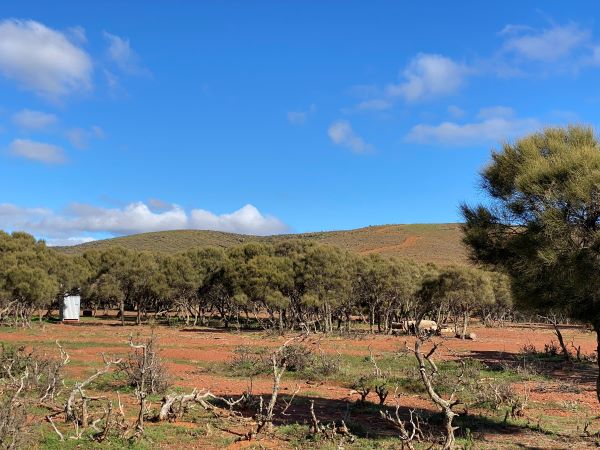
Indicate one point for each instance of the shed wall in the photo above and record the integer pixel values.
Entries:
(70, 307)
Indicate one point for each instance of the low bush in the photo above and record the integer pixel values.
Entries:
(150, 367)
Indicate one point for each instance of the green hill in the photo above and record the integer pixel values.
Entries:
(437, 243)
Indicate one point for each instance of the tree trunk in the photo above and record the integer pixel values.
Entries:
(281, 321)
(596, 326)
(122, 311)
(561, 341)
(463, 333)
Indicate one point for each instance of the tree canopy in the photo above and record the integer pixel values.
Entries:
(284, 285)
(541, 222)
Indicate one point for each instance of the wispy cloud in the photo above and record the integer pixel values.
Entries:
(43, 60)
(546, 45)
(300, 117)
(429, 76)
(37, 151)
(84, 221)
(522, 51)
(33, 120)
(80, 137)
(341, 133)
(426, 77)
(376, 104)
(495, 124)
(455, 111)
(123, 56)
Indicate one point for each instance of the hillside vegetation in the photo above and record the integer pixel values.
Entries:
(436, 243)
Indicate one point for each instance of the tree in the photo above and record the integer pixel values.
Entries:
(207, 264)
(503, 300)
(328, 283)
(182, 280)
(266, 278)
(104, 291)
(147, 284)
(542, 222)
(114, 261)
(27, 281)
(385, 287)
(72, 273)
(465, 289)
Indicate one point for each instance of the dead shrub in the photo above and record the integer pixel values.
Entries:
(44, 373)
(12, 417)
(26, 379)
(327, 365)
(145, 367)
(551, 349)
(249, 361)
(297, 357)
(495, 395)
(501, 394)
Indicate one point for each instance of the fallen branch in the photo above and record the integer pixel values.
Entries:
(70, 414)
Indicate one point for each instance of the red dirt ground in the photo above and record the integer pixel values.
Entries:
(184, 349)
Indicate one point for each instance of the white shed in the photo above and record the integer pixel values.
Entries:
(69, 310)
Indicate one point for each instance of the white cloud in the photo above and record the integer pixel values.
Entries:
(78, 34)
(496, 125)
(37, 151)
(133, 218)
(296, 117)
(83, 221)
(64, 242)
(494, 112)
(429, 76)
(43, 60)
(77, 137)
(341, 133)
(156, 203)
(547, 45)
(455, 111)
(300, 117)
(80, 137)
(376, 104)
(34, 120)
(246, 220)
(125, 58)
(97, 132)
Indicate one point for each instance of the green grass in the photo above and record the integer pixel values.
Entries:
(400, 371)
(437, 243)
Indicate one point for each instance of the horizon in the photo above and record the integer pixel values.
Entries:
(266, 118)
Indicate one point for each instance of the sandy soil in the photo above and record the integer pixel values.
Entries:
(187, 350)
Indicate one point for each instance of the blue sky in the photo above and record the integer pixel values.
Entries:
(268, 117)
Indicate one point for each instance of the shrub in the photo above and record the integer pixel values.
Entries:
(12, 419)
(249, 362)
(151, 368)
(44, 374)
(297, 357)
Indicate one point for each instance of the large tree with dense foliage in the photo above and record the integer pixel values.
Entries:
(541, 224)
(28, 278)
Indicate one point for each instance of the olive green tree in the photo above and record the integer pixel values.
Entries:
(541, 221)
(27, 281)
(465, 289)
